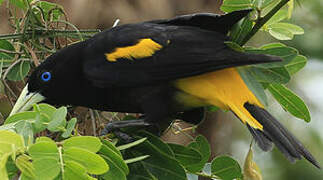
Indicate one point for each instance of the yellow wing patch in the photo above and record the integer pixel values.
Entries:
(144, 48)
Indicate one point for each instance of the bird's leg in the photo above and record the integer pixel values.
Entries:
(117, 125)
(124, 136)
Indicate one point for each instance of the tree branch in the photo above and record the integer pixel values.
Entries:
(263, 21)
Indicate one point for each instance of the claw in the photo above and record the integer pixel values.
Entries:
(114, 127)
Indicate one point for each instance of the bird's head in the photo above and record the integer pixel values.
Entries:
(54, 81)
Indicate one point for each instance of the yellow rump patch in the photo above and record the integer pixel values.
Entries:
(225, 89)
(144, 48)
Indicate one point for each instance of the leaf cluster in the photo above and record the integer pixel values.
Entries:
(271, 76)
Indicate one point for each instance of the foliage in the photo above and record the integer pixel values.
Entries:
(66, 155)
(271, 74)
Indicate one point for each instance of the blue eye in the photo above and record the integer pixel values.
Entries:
(46, 76)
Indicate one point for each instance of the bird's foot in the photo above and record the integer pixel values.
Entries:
(114, 127)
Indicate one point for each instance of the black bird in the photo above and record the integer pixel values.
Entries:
(160, 68)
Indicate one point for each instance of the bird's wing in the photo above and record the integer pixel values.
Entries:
(147, 53)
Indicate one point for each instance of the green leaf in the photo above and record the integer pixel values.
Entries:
(201, 145)
(286, 53)
(265, 3)
(296, 64)
(19, 3)
(163, 147)
(44, 116)
(3, 169)
(25, 129)
(46, 168)
(89, 143)
(93, 163)
(267, 6)
(235, 5)
(12, 169)
(290, 101)
(234, 46)
(111, 146)
(39, 122)
(226, 168)
(58, 120)
(69, 128)
(19, 71)
(159, 164)
(185, 155)
(271, 75)
(25, 166)
(5, 58)
(118, 168)
(114, 159)
(290, 8)
(44, 149)
(12, 138)
(279, 16)
(114, 172)
(44, 138)
(47, 109)
(6, 148)
(281, 33)
(8, 127)
(294, 29)
(239, 32)
(74, 170)
(272, 45)
(48, 7)
(21, 116)
(4, 44)
(256, 88)
(136, 159)
(132, 144)
(138, 171)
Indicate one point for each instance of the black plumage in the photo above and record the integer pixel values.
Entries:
(133, 68)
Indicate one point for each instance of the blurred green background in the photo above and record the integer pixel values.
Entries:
(229, 136)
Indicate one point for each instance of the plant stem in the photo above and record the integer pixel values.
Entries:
(45, 33)
(205, 175)
(263, 21)
(10, 52)
(61, 159)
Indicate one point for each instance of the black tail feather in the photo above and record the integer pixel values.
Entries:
(274, 132)
(261, 139)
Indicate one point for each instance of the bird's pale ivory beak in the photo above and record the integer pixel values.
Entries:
(26, 100)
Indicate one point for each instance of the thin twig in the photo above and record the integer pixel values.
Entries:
(205, 175)
(49, 33)
(11, 66)
(180, 129)
(33, 55)
(10, 52)
(262, 21)
(97, 114)
(10, 90)
(93, 122)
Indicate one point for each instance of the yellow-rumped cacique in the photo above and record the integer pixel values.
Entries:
(161, 68)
